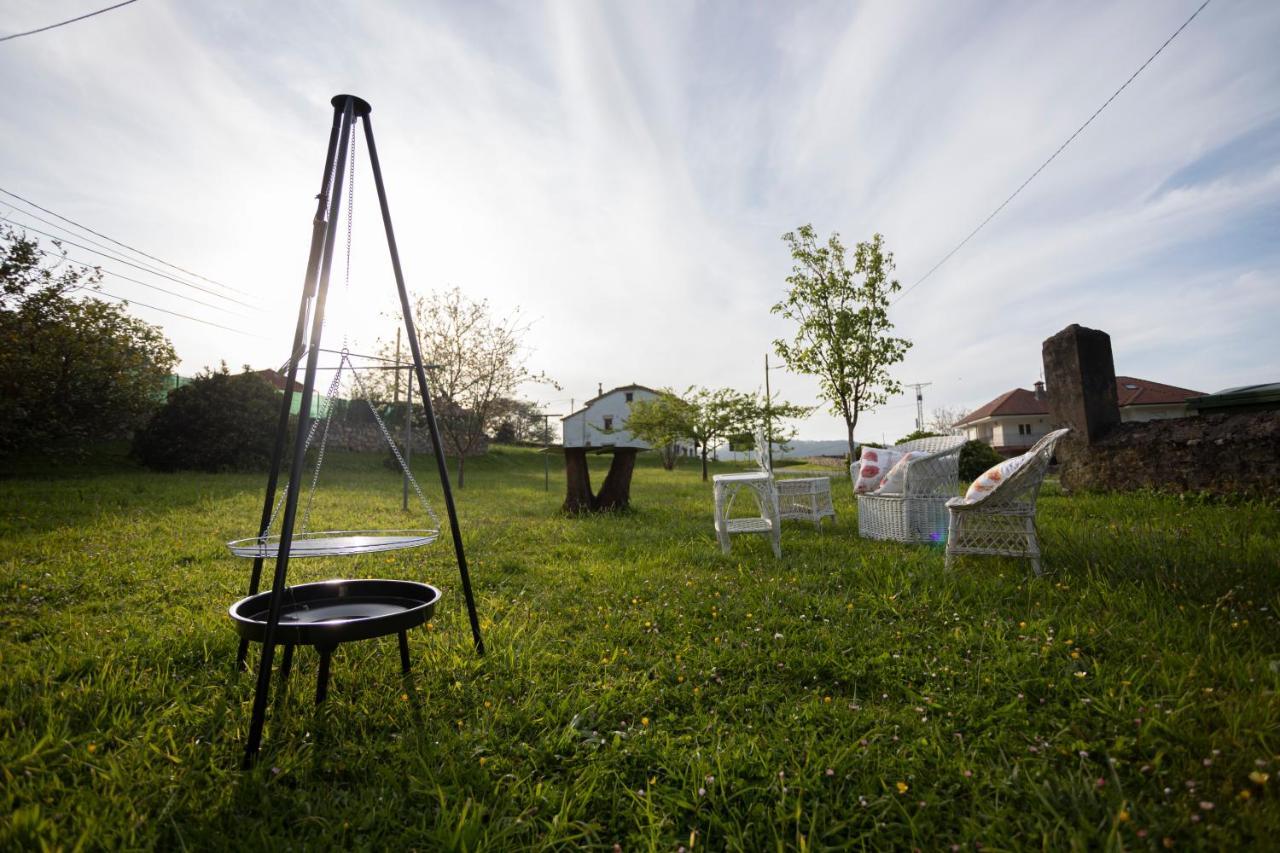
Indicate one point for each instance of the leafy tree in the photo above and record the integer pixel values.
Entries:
(76, 368)
(843, 335)
(517, 420)
(773, 413)
(708, 417)
(218, 422)
(479, 361)
(662, 421)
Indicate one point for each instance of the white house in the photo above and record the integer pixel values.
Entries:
(601, 422)
(1017, 419)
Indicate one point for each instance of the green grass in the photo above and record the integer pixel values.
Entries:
(640, 687)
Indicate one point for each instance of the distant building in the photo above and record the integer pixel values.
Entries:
(279, 382)
(1017, 419)
(601, 422)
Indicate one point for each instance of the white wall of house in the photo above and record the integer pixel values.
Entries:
(1154, 413)
(1020, 430)
(603, 422)
(1008, 430)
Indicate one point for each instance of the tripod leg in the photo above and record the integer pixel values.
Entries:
(286, 664)
(404, 652)
(322, 680)
(423, 388)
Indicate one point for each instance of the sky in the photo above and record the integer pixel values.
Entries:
(621, 175)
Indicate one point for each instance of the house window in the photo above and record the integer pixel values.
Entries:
(608, 421)
(629, 396)
(1019, 429)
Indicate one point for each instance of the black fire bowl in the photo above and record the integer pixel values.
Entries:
(338, 611)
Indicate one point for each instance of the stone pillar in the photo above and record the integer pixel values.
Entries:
(1082, 395)
(1081, 376)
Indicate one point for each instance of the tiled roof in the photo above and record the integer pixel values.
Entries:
(1130, 391)
(1019, 401)
(274, 377)
(1141, 392)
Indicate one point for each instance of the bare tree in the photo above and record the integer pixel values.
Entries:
(477, 363)
(944, 418)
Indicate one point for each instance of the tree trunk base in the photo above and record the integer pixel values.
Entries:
(614, 495)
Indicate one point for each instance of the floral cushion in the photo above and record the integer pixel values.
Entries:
(992, 477)
(873, 464)
(896, 478)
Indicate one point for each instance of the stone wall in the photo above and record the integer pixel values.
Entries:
(1219, 454)
(366, 437)
(1235, 454)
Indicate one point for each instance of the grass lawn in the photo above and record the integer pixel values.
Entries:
(640, 688)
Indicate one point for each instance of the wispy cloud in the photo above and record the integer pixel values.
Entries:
(624, 172)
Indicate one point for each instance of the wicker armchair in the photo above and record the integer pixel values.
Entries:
(919, 513)
(1004, 522)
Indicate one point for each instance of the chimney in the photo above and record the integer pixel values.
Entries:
(599, 389)
(1040, 395)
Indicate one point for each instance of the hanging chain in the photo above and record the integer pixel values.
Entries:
(329, 398)
(413, 481)
(327, 405)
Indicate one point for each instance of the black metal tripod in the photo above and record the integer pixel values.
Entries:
(347, 109)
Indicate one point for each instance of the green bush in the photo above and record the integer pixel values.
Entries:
(219, 422)
(976, 457)
(920, 433)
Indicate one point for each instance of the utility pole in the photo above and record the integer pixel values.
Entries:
(396, 399)
(395, 406)
(768, 426)
(919, 403)
(408, 439)
(546, 455)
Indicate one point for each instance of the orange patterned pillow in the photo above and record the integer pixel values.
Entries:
(992, 477)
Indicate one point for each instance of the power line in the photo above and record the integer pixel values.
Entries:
(1054, 155)
(91, 241)
(122, 245)
(135, 266)
(114, 274)
(175, 313)
(127, 300)
(68, 21)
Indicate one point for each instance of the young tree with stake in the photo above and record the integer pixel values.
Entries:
(843, 336)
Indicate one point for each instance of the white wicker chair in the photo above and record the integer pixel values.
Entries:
(919, 513)
(1004, 522)
(760, 485)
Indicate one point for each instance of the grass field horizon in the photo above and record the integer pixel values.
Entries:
(640, 688)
